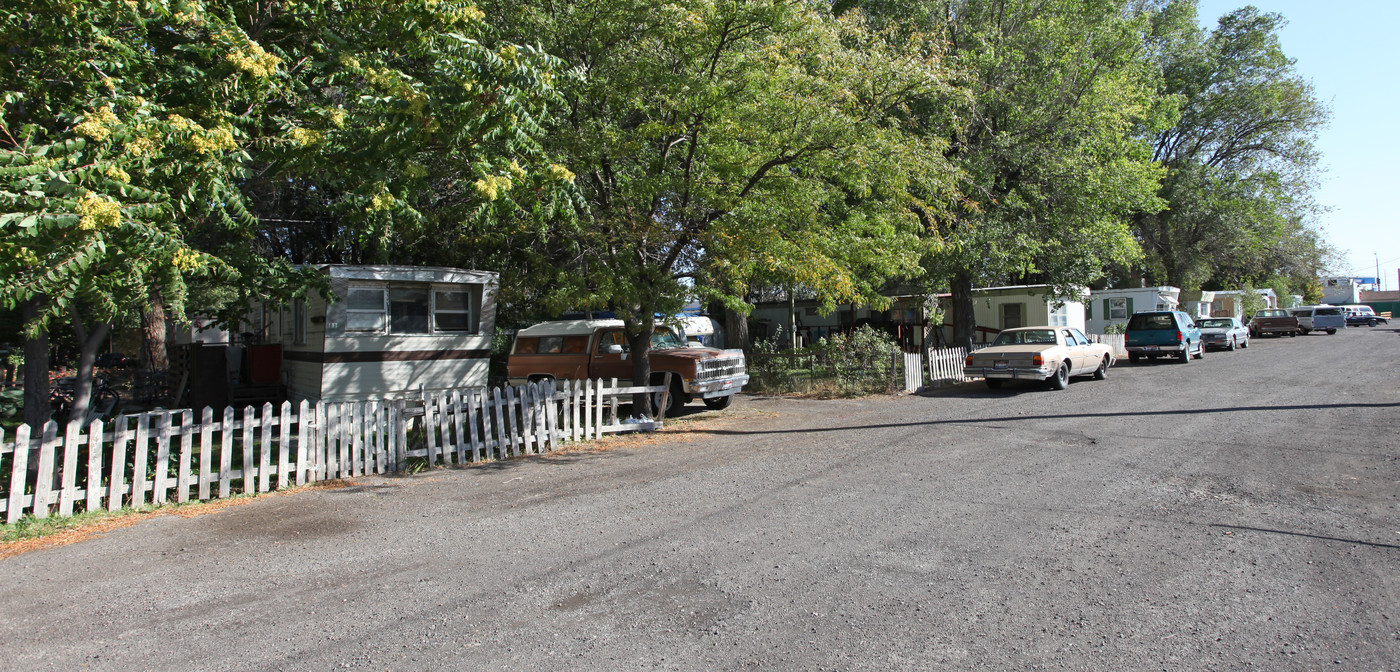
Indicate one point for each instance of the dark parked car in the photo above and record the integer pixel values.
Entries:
(1363, 316)
(1163, 333)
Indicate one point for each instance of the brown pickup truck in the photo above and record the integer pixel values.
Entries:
(1274, 322)
(583, 349)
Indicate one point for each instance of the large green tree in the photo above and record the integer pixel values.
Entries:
(136, 134)
(719, 142)
(118, 125)
(1050, 169)
(1241, 161)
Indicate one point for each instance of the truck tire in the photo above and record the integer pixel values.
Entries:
(674, 402)
(1331, 331)
(719, 403)
(1185, 355)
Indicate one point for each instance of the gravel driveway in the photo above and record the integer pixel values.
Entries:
(1237, 512)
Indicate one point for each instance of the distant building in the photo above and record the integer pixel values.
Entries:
(1342, 291)
(1230, 302)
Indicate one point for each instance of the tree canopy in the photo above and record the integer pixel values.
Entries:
(1240, 159)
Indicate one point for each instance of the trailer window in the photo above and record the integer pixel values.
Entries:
(575, 344)
(365, 310)
(457, 310)
(526, 346)
(408, 310)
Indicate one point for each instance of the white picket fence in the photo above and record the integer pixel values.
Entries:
(154, 458)
(944, 367)
(1116, 341)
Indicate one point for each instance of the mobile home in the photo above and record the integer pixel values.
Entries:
(1112, 306)
(392, 332)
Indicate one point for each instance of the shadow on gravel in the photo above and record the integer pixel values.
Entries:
(1051, 416)
(1304, 534)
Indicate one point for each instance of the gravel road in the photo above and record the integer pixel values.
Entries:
(1234, 513)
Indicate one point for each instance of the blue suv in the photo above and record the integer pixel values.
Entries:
(1163, 333)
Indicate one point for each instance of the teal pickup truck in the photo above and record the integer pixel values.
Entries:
(1163, 333)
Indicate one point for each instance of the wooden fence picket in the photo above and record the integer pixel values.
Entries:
(94, 466)
(303, 436)
(69, 476)
(182, 479)
(142, 452)
(116, 484)
(206, 451)
(43, 484)
(357, 440)
(400, 436)
(226, 454)
(19, 473)
(284, 447)
(160, 485)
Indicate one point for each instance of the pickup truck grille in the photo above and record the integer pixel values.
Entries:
(717, 368)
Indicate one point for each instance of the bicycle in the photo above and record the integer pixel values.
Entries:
(102, 402)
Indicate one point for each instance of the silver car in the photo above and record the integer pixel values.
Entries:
(1223, 333)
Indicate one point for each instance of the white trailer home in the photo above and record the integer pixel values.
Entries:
(392, 332)
(995, 309)
(1110, 306)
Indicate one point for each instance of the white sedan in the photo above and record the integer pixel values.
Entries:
(1050, 354)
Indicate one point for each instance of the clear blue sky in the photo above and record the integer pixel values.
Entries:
(1348, 50)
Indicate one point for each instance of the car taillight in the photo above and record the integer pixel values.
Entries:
(1037, 361)
(968, 361)
(1178, 337)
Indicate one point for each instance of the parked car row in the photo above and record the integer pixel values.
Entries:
(1307, 319)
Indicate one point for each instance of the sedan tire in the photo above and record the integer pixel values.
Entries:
(1201, 351)
(1233, 344)
(1101, 372)
(1060, 380)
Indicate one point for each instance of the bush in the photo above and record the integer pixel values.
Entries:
(862, 362)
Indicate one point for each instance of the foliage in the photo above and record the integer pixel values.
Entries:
(720, 143)
(861, 362)
(1240, 158)
(402, 128)
(1116, 328)
(98, 165)
(1049, 167)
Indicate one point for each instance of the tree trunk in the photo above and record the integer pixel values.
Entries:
(964, 324)
(154, 355)
(639, 343)
(736, 327)
(36, 370)
(88, 343)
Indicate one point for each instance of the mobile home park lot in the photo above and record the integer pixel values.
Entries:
(1239, 512)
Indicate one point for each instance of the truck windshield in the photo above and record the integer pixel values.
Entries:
(665, 338)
